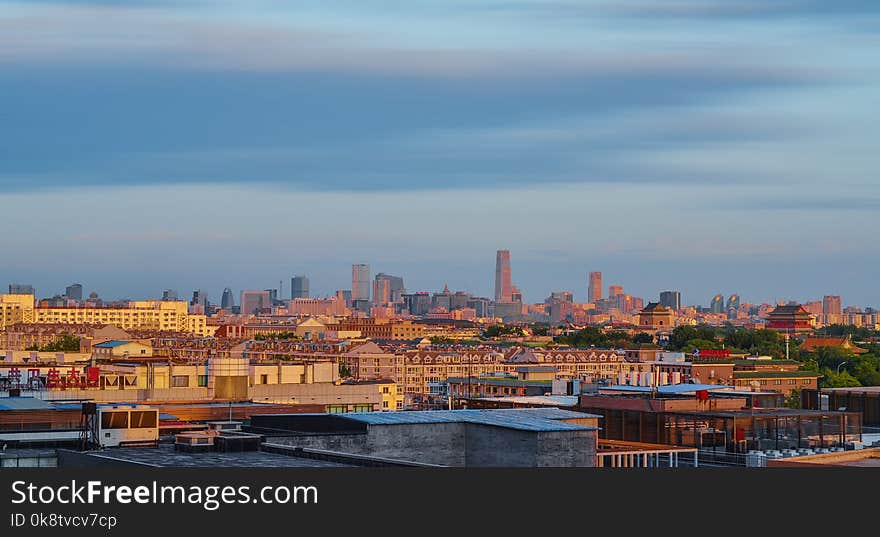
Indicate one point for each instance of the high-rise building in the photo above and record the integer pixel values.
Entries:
(397, 288)
(360, 282)
(21, 289)
(255, 301)
(503, 282)
(671, 300)
(227, 300)
(74, 292)
(594, 287)
(299, 287)
(417, 303)
(200, 298)
(733, 303)
(832, 305)
(381, 291)
(169, 295)
(615, 290)
(717, 305)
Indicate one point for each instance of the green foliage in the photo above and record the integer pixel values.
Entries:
(499, 330)
(344, 371)
(682, 337)
(760, 343)
(279, 336)
(831, 379)
(591, 336)
(858, 333)
(64, 343)
(793, 399)
(643, 337)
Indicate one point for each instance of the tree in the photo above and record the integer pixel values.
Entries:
(643, 337)
(793, 399)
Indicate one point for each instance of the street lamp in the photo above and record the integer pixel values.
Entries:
(838, 367)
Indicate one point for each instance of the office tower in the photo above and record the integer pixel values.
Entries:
(169, 295)
(299, 287)
(717, 305)
(397, 288)
(615, 290)
(227, 301)
(458, 300)
(21, 289)
(559, 296)
(74, 292)
(594, 287)
(273, 295)
(344, 295)
(253, 302)
(443, 299)
(503, 284)
(360, 282)
(832, 305)
(381, 292)
(733, 303)
(671, 300)
(516, 295)
(417, 303)
(481, 305)
(200, 298)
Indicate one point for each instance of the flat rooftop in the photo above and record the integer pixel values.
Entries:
(164, 455)
(523, 419)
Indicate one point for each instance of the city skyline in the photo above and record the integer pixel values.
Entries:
(695, 159)
(579, 295)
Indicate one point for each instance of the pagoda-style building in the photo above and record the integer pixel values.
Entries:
(791, 319)
(655, 317)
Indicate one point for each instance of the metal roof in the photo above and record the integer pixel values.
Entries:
(549, 400)
(667, 389)
(23, 403)
(111, 344)
(523, 419)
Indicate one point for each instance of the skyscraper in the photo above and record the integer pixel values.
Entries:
(381, 291)
(733, 303)
(21, 289)
(169, 295)
(299, 287)
(227, 301)
(671, 300)
(614, 290)
(397, 289)
(832, 305)
(200, 298)
(74, 292)
(594, 287)
(360, 282)
(254, 301)
(717, 305)
(503, 284)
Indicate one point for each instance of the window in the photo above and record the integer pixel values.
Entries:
(114, 420)
(203, 380)
(180, 381)
(143, 419)
(264, 379)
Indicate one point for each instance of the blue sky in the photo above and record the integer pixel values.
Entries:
(701, 145)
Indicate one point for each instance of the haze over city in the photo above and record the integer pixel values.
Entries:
(705, 147)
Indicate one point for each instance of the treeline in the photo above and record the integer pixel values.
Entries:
(593, 336)
(64, 343)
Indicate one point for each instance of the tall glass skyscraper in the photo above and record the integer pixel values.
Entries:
(299, 287)
(503, 285)
(360, 282)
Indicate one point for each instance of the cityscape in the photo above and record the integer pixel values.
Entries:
(228, 376)
(604, 235)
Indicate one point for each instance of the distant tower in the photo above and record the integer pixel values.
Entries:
(200, 298)
(717, 305)
(169, 295)
(299, 287)
(671, 300)
(594, 288)
(832, 305)
(74, 292)
(503, 285)
(227, 301)
(360, 282)
(615, 290)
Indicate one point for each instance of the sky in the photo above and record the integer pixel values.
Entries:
(706, 146)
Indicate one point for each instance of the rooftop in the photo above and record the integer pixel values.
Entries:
(522, 419)
(166, 456)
